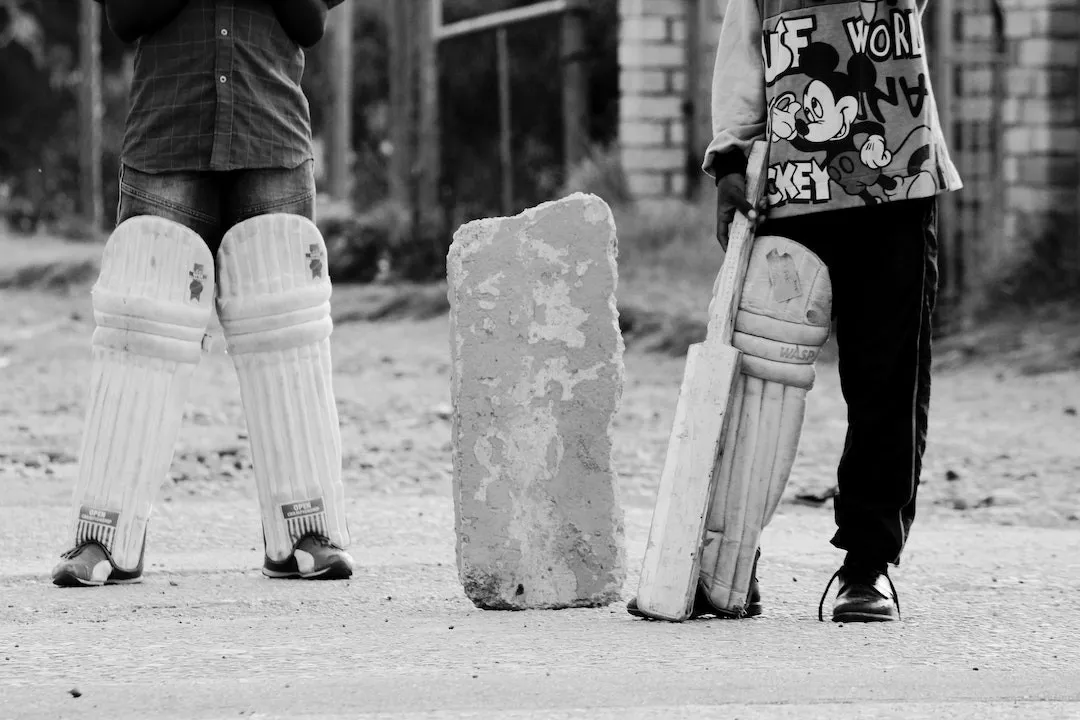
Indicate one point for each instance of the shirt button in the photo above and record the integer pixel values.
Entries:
(223, 79)
(224, 32)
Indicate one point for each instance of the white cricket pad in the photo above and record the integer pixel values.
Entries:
(152, 304)
(274, 305)
(783, 321)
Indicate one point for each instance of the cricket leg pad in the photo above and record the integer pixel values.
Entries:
(782, 323)
(152, 303)
(274, 304)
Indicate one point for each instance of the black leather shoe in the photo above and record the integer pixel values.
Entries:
(866, 595)
(703, 606)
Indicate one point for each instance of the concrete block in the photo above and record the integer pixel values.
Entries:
(651, 57)
(641, 107)
(639, 133)
(1042, 52)
(537, 379)
(643, 27)
(676, 183)
(652, 159)
(676, 81)
(665, 8)
(644, 82)
(1049, 140)
(676, 135)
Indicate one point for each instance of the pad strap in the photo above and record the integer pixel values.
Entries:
(262, 324)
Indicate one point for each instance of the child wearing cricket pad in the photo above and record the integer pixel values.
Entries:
(841, 91)
(217, 203)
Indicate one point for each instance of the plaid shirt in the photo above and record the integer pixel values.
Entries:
(218, 88)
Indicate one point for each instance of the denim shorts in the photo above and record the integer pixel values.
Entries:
(212, 202)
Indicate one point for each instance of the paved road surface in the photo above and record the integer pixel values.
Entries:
(991, 630)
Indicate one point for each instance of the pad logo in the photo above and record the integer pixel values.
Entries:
(197, 275)
(315, 255)
(799, 353)
(96, 525)
(305, 518)
(299, 509)
(102, 517)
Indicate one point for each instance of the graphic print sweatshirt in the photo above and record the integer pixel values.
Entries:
(842, 90)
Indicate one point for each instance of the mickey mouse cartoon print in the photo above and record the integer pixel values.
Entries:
(826, 119)
(844, 99)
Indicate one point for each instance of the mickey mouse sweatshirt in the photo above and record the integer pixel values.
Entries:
(841, 89)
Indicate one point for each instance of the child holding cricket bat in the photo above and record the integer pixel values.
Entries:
(841, 92)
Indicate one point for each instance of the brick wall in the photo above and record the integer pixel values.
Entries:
(653, 77)
(1042, 121)
(1016, 123)
(664, 112)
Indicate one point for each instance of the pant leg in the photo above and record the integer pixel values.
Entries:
(286, 379)
(249, 193)
(189, 198)
(888, 282)
(922, 400)
(883, 264)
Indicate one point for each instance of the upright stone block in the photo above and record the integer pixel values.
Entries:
(537, 379)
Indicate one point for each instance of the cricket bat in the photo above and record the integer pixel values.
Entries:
(669, 573)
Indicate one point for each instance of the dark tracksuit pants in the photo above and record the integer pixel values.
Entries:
(883, 264)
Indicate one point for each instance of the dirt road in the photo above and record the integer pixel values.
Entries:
(989, 585)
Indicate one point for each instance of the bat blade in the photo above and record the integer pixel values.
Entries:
(669, 573)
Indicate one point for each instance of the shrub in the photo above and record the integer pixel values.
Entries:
(382, 244)
(358, 245)
(1047, 270)
(601, 174)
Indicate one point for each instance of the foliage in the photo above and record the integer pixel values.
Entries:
(470, 126)
(1045, 270)
(470, 110)
(39, 138)
(601, 174)
(370, 110)
(380, 244)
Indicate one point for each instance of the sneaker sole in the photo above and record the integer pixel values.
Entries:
(336, 571)
(863, 618)
(72, 580)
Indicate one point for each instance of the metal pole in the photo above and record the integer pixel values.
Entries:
(692, 108)
(400, 107)
(502, 18)
(505, 121)
(430, 155)
(944, 91)
(575, 90)
(1076, 130)
(340, 150)
(90, 113)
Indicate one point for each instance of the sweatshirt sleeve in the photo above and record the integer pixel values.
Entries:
(738, 87)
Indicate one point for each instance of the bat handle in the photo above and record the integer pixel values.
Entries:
(729, 284)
